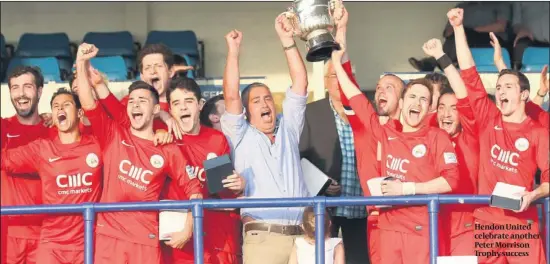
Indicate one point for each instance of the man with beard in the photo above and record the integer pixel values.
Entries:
(23, 233)
(267, 156)
(70, 169)
(512, 146)
(419, 159)
(456, 117)
(221, 227)
(134, 170)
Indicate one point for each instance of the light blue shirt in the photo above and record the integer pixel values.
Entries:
(270, 170)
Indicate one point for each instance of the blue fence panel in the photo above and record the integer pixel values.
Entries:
(319, 203)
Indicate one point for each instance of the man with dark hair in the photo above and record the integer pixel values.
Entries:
(181, 68)
(23, 233)
(531, 24)
(267, 155)
(199, 143)
(135, 170)
(70, 169)
(512, 146)
(212, 112)
(456, 117)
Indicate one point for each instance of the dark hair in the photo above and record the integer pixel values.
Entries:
(143, 85)
(210, 108)
(20, 70)
(157, 48)
(446, 90)
(523, 81)
(63, 90)
(438, 78)
(421, 81)
(180, 60)
(246, 93)
(185, 84)
(71, 80)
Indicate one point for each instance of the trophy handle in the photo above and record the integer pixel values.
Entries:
(293, 19)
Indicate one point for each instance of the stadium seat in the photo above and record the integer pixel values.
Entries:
(113, 66)
(180, 42)
(46, 45)
(113, 44)
(534, 59)
(49, 66)
(483, 58)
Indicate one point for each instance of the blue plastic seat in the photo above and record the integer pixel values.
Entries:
(534, 59)
(49, 66)
(113, 66)
(119, 43)
(483, 58)
(180, 42)
(46, 45)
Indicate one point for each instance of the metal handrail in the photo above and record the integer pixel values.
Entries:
(319, 203)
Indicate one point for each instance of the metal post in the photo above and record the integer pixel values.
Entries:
(319, 231)
(89, 219)
(433, 209)
(547, 215)
(198, 244)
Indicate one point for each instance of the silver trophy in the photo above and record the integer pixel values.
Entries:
(313, 23)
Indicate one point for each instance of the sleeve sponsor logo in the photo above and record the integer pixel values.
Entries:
(450, 158)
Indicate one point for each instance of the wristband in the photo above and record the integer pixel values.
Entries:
(290, 47)
(444, 61)
(409, 188)
(540, 94)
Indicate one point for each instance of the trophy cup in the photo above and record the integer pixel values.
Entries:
(312, 22)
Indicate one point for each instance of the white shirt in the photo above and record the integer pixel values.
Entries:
(306, 251)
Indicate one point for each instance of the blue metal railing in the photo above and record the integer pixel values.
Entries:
(319, 203)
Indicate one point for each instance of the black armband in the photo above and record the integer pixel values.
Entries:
(444, 62)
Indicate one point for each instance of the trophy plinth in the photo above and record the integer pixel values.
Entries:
(320, 44)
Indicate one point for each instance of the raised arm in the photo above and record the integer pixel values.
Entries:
(543, 88)
(85, 93)
(296, 67)
(485, 109)
(497, 55)
(434, 48)
(231, 77)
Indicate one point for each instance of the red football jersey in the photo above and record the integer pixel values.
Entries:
(418, 156)
(23, 190)
(509, 152)
(466, 145)
(221, 228)
(135, 171)
(70, 174)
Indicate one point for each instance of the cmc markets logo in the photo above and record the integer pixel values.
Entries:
(75, 180)
(504, 156)
(127, 168)
(396, 164)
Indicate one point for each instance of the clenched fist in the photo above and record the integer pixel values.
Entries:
(86, 52)
(233, 39)
(455, 16)
(284, 29)
(433, 48)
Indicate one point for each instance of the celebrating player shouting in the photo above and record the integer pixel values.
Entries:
(456, 117)
(25, 86)
(420, 158)
(70, 170)
(222, 232)
(135, 170)
(512, 145)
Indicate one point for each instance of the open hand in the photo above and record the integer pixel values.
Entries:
(235, 182)
(337, 54)
(162, 137)
(544, 82)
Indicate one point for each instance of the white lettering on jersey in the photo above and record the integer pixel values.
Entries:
(76, 180)
(397, 164)
(195, 172)
(134, 172)
(504, 156)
